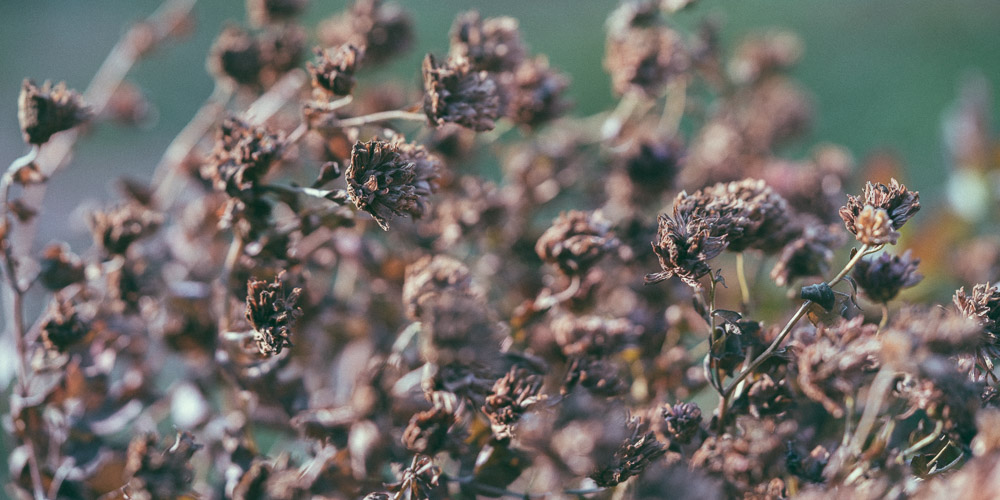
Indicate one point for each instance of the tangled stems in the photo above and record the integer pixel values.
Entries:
(16, 301)
(760, 359)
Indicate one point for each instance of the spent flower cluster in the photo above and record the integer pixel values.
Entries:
(518, 332)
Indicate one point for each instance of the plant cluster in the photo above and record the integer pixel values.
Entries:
(325, 292)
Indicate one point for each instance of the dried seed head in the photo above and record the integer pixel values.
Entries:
(429, 277)
(640, 449)
(493, 44)
(263, 12)
(873, 227)
(419, 480)
(160, 474)
(651, 162)
(382, 29)
(748, 213)
(576, 241)
(535, 94)
(458, 328)
(683, 421)
(882, 211)
(237, 56)
(833, 361)
(645, 59)
(882, 278)
(983, 305)
(455, 93)
(764, 53)
(256, 61)
(510, 398)
(387, 179)
(64, 328)
(428, 431)
(59, 267)
(272, 313)
(592, 335)
(807, 255)
(684, 246)
(47, 110)
(243, 155)
(116, 228)
(601, 377)
(334, 69)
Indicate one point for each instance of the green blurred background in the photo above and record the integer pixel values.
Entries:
(881, 72)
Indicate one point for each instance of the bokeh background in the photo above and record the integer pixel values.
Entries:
(881, 72)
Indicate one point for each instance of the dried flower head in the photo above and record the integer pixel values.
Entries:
(651, 161)
(458, 328)
(684, 246)
(59, 267)
(644, 59)
(576, 241)
(47, 110)
(493, 44)
(683, 421)
(382, 29)
(511, 397)
(391, 178)
(807, 255)
(264, 12)
(748, 213)
(156, 474)
(833, 361)
(590, 335)
(334, 69)
(419, 480)
(640, 449)
(881, 211)
(455, 93)
(236, 55)
(761, 54)
(64, 328)
(535, 97)
(599, 376)
(243, 155)
(256, 60)
(272, 313)
(428, 431)
(429, 277)
(882, 278)
(115, 229)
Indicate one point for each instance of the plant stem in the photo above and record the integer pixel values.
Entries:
(673, 109)
(358, 121)
(864, 250)
(741, 277)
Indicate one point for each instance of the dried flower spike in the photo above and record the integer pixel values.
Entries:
(334, 70)
(272, 313)
(455, 93)
(881, 279)
(47, 110)
(386, 179)
(511, 397)
(877, 217)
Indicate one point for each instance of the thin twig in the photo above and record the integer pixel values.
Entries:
(359, 121)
